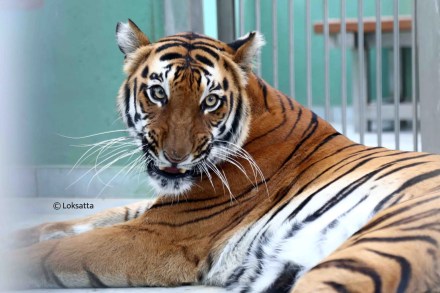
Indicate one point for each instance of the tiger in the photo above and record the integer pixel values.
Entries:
(255, 192)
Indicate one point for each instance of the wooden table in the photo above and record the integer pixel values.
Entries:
(405, 27)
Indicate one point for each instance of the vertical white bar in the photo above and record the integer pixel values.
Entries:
(291, 49)
(428, 73)
(258, 28)
(361, 53)
(275, 43)
(379, 71)
(396, 49)
(344, 68)
(309, 55)
(415, 119)
(241, 15)
(326, 62)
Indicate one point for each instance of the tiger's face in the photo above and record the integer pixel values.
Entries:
(185, 102)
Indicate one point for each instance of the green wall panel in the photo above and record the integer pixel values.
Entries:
(74, 70)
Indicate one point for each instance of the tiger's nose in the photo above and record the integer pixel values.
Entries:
(174, 157)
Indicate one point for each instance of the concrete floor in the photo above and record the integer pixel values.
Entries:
(27, 212)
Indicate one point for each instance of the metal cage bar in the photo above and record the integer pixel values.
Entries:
(258, 28)
(275, 43)
(396, 55)
(241, 20)
(291, 49)
(326, 62)
(361, 53)
(379, 97)
(309, 55)
(344, 68)
(415, 124)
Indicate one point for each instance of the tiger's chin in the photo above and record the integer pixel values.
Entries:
(170, 182)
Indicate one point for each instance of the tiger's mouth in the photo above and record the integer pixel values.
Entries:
(169, 172)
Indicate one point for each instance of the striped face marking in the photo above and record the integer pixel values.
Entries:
(186, 105)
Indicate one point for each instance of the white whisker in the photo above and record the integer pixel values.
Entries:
(93, 135)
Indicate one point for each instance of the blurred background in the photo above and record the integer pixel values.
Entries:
(61, 69)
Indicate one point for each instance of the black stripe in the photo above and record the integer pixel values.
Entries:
(170, 45)
(127, 106)
(413, 181)
(208, 51)
(229, 68)
(318, 146)
(136, 114)
(49, 274)
(187, 200)
(422, 238)
(236, 274)
(231, 107)
(196, 220)
(405, 269)
(204, 60)
(337, 287)
(236, 122)
(167, 70)
(225, 84)
(95, 282)
(283, 110)
(193, 36)
(337, 221)
(285, 190)
(416, 217)
(145, 71)
(171, 39)
(362, 157)
(310, 197)
(387, 216)
(352, 266)
(213, 46)
(284, 282)
(298, 117)
(137, 213)
(400, 168)
(263, 88)
(170, 56)
(313, 125)
(347, 190)
(126, 214)
(156, 76)
(289, 100)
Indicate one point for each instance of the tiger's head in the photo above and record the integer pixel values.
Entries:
(184, 101)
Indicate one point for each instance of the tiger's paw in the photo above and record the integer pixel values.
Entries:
(44, 232)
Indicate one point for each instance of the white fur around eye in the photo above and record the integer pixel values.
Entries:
(211, 107)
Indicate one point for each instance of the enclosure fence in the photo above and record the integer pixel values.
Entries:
(356, 36)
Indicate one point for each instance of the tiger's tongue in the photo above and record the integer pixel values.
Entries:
(172, 170)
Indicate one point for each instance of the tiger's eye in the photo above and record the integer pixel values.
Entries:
(158, 92)
(211, 101)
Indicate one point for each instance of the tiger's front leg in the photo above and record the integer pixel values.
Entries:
(124, 255)
(397, 251)
(56, 230)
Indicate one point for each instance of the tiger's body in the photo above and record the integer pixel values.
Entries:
(324, 214)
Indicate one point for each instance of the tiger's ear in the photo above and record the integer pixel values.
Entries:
(130, 37)
(246, 49)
